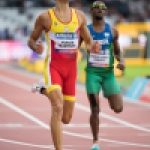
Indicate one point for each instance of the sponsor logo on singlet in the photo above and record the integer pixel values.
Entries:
(104, 41)
(66, 42)
(66, 36)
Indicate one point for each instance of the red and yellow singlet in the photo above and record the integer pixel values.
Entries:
(62, 46)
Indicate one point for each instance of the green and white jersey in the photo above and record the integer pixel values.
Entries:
(104, 61)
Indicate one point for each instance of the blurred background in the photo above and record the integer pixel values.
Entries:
(130, 17)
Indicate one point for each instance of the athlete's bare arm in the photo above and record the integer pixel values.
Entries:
(80, 42)
(85, 34)
(42, 23)
(117, 51)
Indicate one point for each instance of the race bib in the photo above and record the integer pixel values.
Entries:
(100, 60)
(66, 42)
(73, 44)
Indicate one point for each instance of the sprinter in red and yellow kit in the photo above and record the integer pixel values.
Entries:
(63, 27)
(62, 40)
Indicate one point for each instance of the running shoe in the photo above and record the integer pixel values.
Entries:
(96, 146)
(38, 86)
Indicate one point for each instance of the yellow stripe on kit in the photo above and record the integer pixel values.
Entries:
(53, 87)
(69, 98)
(46, 68)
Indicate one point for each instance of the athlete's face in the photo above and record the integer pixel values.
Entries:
(98, 10)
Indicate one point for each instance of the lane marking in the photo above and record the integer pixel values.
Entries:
(25, 144)
(19, 126)
(125, 123)
(32, 145)
(126, 99)
(45, 126)
(19, 71)
(10, 125)
(81, 87)
(77, 105)
(71, 125)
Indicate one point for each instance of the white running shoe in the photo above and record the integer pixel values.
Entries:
(38, 86)
(95, 146)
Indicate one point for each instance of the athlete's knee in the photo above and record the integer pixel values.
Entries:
(116, 103)
(118, 109)
(94, 105)
(92, 99)
(95, 111)
(66, 119)
(57, 111)
(56, 103)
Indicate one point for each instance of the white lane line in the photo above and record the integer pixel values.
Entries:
(32, 145)
(125, 123)
(43, 125)
(21, 72)
(83, 125)
(39, 76)
(77, 105)
(25, 144)
(18, 126)
(11, 125)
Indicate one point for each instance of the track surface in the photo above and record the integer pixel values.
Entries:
(24, 119)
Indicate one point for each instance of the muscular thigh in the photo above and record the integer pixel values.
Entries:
(93, 83)
(116, 102)
(53, 79)
(112, 92)
(69, 98)
(56, 98)
(69, 85)
(110, 85)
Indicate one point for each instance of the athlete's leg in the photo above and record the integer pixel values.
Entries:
(94, 116)
(69, 86)
(116, 102)
(112, 92)
(68, 108)
(93, 87)
(69, 101)
(53, 84)
(56, 99)
(68, 104)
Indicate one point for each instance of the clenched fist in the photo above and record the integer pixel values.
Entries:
(39, 48)
(121, 66)
(96, 47)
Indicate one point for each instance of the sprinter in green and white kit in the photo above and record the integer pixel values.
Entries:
(100, 68)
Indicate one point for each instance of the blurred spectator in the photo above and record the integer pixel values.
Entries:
(18, 34)
(45, 3)
(28, 3)
(2, 3)
(118, 11)
(5, 34)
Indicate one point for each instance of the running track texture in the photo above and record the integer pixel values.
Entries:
(24, 119)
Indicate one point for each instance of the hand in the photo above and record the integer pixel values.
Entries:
(121, 66)
(96, 47)
(39, 48)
